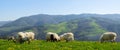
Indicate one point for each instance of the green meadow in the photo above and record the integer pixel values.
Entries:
(73, 45)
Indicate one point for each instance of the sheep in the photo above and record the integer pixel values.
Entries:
(30, 35)
(67, 36)
(25, 36)
(11, 38)
(50, 36)
(108, 36)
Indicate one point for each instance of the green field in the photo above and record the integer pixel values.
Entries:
(43, 45)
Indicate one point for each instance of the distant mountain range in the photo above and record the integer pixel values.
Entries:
(4, 22)
(84, 26)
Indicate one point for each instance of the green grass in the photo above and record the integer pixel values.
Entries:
(61, 27)
(97, 28)
(43, 45)
(54, 28)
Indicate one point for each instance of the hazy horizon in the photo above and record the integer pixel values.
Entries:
(14, 9)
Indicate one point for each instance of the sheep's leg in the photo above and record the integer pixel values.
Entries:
(21, 41)
(113, 41)
(51, 40)
(67, 40)
(14, 41)
(101, 40)
(28, 42)
(47, 40)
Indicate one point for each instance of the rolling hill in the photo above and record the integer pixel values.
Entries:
(4, 22)
(84, 26)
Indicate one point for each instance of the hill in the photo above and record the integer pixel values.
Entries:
(4, 22)
(84, 26)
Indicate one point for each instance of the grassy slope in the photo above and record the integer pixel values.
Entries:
(61, 27)
(56, 28)
(97, 28)
(43, 45)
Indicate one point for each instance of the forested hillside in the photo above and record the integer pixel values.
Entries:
(4, 22)
(84, 26)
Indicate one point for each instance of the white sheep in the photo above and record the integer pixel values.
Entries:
(50, 36)
(30, 35)
(108, 36)
(25, 36)
(67, 36)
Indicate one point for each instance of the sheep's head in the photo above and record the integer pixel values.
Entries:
(61, 37)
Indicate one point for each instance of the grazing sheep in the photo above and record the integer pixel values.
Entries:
(52, 37)
(108, 36)
(25, 36)
(67, 36)
(11, 38)
(30, 35)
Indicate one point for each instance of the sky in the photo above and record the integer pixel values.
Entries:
(14, 9)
